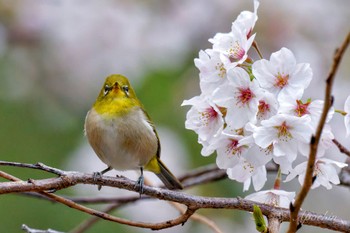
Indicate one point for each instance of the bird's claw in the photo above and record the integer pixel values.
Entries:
(139, 184)
(97, 175)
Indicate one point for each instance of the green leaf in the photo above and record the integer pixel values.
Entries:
(259, 219)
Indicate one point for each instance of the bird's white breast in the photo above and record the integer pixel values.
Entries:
(125, 142)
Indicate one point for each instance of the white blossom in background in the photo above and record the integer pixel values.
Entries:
(212, 71)
(274, 197)
(257, 156)
(229, 149)
(247, 173)
(283, 133)
(252, 112)
(325, 173)
(233, 46)
(251, 166)
(205, 119)
(267, 107)
(293, 105)
(281, 74)
(240, 97)
(127, 37)
(246, 20)
(347, 116)
(326, 142)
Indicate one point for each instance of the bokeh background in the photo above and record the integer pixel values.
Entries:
(55, 55)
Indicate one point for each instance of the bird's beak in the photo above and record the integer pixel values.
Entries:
(116, 86)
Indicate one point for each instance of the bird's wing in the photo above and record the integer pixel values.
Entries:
(149, 121)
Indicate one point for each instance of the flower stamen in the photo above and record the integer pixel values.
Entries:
(208, 115)
(221, 69)
(283, 131)
(233, 148)
(236, 52)
(281, 80)
(301, 109)
(244, 96)
(263, 109)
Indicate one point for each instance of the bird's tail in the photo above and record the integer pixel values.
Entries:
(164, 174)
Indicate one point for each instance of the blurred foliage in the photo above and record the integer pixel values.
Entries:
(27, 137)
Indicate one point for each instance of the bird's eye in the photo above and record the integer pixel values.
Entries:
(106, 89)
(126, 90)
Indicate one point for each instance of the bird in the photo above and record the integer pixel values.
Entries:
(122, 134)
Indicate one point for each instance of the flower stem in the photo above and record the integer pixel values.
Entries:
(341, 112)
(256, 47)
(277, 183)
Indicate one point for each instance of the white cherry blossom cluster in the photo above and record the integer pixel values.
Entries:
(251, 112)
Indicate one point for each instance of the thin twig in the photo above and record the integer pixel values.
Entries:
(341, 148)
(31, 230)
(88, 223)
(197, 217)
(295, 208)
(199, 171)
(154, 226)
(39, 166)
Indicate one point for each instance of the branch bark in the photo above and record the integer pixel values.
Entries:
(274, 224)
(341, 148)
(193, 203)
(156, 226)
(295, 208)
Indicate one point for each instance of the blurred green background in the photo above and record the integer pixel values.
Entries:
(54, 56)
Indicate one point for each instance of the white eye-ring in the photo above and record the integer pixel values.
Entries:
(126, 90)
(106, 90)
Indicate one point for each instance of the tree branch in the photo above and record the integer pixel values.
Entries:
(38, 166)
(199, 218)
(344, 175)
(93, 219)
(30, 230)
(341, 148)
(156, 226)
(295, 208)
(191, 201)
(274, 224)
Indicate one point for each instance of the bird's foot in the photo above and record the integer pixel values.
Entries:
(97, 175)
(139, 184)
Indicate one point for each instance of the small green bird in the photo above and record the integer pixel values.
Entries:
(122, 134)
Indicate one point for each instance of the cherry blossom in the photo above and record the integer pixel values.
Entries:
(324, 173)
(293, 105)
(267, 106)
(212, 71)
(246, 20)
(253, 112)
(283, 133)
(281, 75)
(204, 118)
(274, 197)
(233, 46)
(325, 143)
(229, 149)
(240, 97)
(247, 173)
